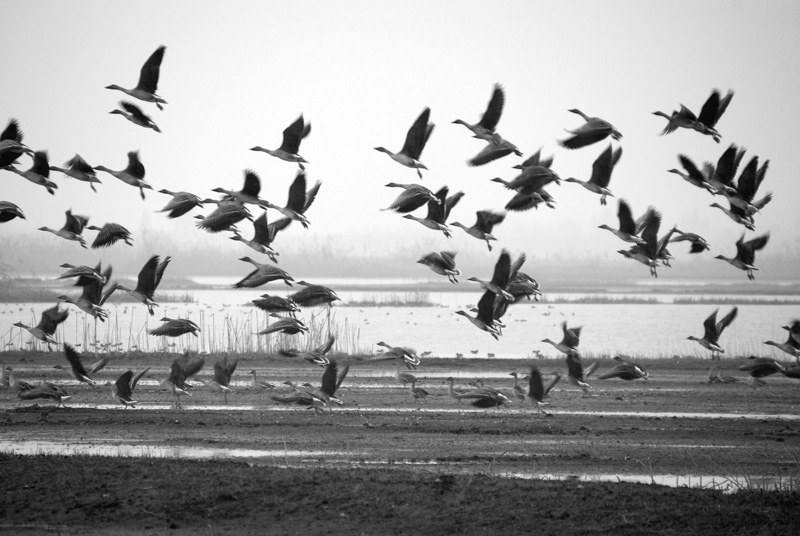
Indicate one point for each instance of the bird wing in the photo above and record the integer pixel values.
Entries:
(73, 224)
(135, 111)
(502, 270)
(601, 168)
(710, 327)
(494, 109)
(625, 216)
(572, 337)
(325, 348)
(750, 247)
(747, 185)
(487, 220)
(135, 166)
(160, 272)
(51, 318)
(123, 385)
(489, 153)
(710, 111)
(297, 194)
(451, 202)
(311, 195)
(436, 208)
(486, 308)
(252, 184)
(535, 385)
(329, 379)
(418, 135)
(77, 163)
(292, 136)
(136, 379)
(74, 359)
(148, 76)
(516, 266)
(727, 165)
(341, 375)
(650, 234)
(726, 321)
(144, 283)
(574, 366)
(691, 168)
(230, 366)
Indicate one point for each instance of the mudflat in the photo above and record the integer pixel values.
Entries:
(385, 463)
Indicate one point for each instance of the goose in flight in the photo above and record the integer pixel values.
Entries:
(706, 122)
(109, 234)
(122, 390)
(484, 318)
(225, 217)
(135, 115)
(92, 295)
(625, 370)
(284, 324)
(627, 230)
(262, 274)
(483, 226)
(312, 295)
(290, 147)
(712, 332)
(315, 356)
(537, 389)
(79, 169)
(411, 198)
(38, 173)
(175, 327)
(9, 211)
(11, 146)
(323, 397)
(248, 193)
(485, 129)
(443, 263)
(746, 254)
(276, 304)
(72, 229)
(146, 89)
(149, 277)
(438, 211)
(692, 174)
(500, 277)
(180, 204)
(77, 369)
(47, 325)
(223, 371)
(299, 200)
(601, 173)
(647, 253)
(791, 346)
(416, 138)
(569, 343)
(133, 174)
(594, 130)
(699, 244)
(264, 234)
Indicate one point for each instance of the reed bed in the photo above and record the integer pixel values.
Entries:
(406, 299)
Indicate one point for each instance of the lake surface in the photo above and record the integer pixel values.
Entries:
(229, 322)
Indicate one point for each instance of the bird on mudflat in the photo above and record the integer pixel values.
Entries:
(133, 174)
(9, 211)
(223, 371)
(625, 370)
(38, 173)
(44, 390)
(290, 147)
(72, 229)
(320, 398)
(602, 168)
(149, 277)
(537, 389)
(713, 331)
(760, 367)
(262, 274)
(122, 390)
(147, 86)
(746, 254)
(135, 115)
(80, 170)
(594, 130)
(706, 122)
(416, 138)
(47, 325)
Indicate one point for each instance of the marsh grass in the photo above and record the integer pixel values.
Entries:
(407, 299)
(734, 300)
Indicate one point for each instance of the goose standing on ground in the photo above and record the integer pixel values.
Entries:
(706, 123)
(594, 130)
(72, 229)
(485, 397)
(312, 295)
(109, 234)
(416, 138)
(299, 200)
(146, 89)
(315, 356)
(292, 136)
(180, 204)
(517, 390)
(38, 173)
(135, 115)
(276, 304)
(149, 277)
(263, 235)
(257, 384)
(403, 377)
(47, 325)
(263, 273)
(452, 392)
(537, 390)
(133, 174)
(249, 192)
(122, 390)
(9, 211)
(483, 226)
(438, 211)
(699, 244)
(484, 319)
(80, 170)
(225, 217)
(746, 254)
(627, 231)
(417, 393)
(11, 146)
(443, 262)
(601, 173)
(713, 331)
(625, 370)
(175, 327)
(412, 197)
(45, 390)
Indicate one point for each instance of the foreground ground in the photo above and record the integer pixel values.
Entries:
(379, 466)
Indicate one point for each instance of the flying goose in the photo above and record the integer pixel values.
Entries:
(699, 244)
(627, 231)
(149, 277)
(122, 390)
(248, 193)
(180, 204)
(625, 370)
(594, 130)
(569, 343)
(712, 332)
(484, 319)
(72, 229)
(439, 211)
(411, 198)
(146, 89)
(276, 304)
(706, 122)
(483, 226)
(601, 173)
(315, 356)
(92, 294)
(746, 254)
(312, 295)
(537, 390)
(135, 115)
(11, 146)
(225, 217)
(9, 211)
(263, 273)
(500, 277)
(416, 138)
(175, 327)
(263, 235)
(292, 136)
(442, 262)
(299, 200)
(284, 324)
(133, 174)
(39, 172)
(47, 325)
(80, 170)
(109, 234)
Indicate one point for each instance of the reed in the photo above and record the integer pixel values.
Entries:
(407, 299)
(734, 300)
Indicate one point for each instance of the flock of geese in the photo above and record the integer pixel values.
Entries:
(508, 284)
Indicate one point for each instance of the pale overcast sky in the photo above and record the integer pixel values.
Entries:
(235, 74)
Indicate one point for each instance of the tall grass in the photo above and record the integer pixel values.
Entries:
(382, 299)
